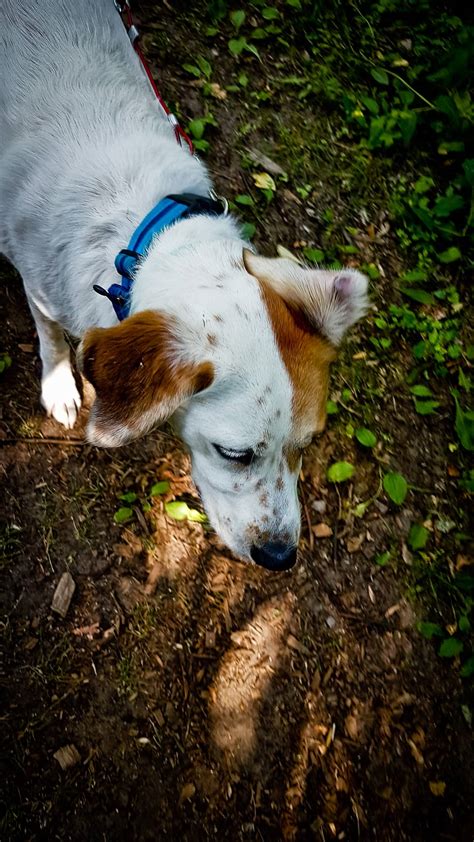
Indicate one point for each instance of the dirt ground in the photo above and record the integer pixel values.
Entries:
(204, 698)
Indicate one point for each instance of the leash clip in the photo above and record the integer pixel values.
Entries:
(133, 33)
(221, 199)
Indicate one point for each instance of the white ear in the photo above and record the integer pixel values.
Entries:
(331, 300)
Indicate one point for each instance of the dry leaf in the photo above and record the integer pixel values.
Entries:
(284, 252)
(187, 792)
(322, 530)
(416, 753)
(463, 561)
(63, 594)
(264, 181)
(67, 756)
(438, 788)
(293, 643)
(217, 92)
(86, 631)
(354, 544)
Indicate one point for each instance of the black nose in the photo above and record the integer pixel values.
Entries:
(274, 556)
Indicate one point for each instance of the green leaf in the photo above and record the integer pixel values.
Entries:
(418, 536)
(205, 66)
(421, 391)
(123, 514)
(236, 45)
(361, 508)
(5, 362)
(450, 255)
(383, 559)
(270, 13)
(430, 630)
(128, 497)
(313, 254)
(464, 424)
(424, 183)
(244, 199)
(414, 276)
(426, 407)
(451, 647)
(467, 668)
(464, 624)
(365, 437)
(396, 487)
(191, 68)
(371, 270)
(201, 145)
(332, 408)
(251, 48)
(159, 488)
(179, 510)
(380, 75)
(371, 104)
(340, 471)
(248, 230)
(197, 128)
(419, 295)
(446, 205)
(451, 146)
(468, 168)
(237, 18)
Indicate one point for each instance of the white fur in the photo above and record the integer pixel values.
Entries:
(85, 153)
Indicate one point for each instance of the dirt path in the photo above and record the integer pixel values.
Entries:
(205, 699)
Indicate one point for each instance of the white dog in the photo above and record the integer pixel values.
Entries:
(235, 346)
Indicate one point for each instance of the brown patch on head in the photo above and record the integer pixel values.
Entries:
(138, 375)
(306, 357)
(218, 318)
(292, 456)
(279, 485)
(212, 339)
(263, 500)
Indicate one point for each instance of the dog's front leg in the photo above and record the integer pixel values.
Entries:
(59, 394)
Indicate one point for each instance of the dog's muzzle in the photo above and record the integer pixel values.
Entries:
(274, 556)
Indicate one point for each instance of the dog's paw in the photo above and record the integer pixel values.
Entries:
(59, 395)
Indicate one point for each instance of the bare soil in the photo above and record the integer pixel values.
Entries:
(206, 698)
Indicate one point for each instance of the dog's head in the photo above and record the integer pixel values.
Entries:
(245, 376)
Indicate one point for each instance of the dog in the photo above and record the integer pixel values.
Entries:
(233, 346)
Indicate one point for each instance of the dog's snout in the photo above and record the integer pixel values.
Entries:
(274, 556)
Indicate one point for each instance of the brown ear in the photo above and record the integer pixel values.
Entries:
(331, 300)
(140, 375)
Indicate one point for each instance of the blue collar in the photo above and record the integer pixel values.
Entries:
(169, 210)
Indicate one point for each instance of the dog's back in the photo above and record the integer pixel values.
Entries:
(51, 50)
(82, 138)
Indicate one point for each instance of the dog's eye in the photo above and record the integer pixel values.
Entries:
(244, 457)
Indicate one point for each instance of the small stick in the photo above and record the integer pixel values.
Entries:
(26, 440)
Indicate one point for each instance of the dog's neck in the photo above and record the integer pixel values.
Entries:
(187, 263)
(129, 190)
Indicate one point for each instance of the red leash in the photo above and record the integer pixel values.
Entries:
(125, 13)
